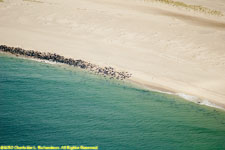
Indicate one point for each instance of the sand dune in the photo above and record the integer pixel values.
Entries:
(163, 46)
(194, 20)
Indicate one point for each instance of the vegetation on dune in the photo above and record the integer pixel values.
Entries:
(1, 0)
(191, 7)
(33, 1)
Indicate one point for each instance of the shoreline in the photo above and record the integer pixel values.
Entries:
(164, 47)
(102, 71)
(53, 57)
(187, 97)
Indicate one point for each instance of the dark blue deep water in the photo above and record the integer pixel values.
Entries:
(51, 105)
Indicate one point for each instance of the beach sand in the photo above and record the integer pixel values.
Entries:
(164, 47)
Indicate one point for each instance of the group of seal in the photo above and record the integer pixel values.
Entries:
(105, 71)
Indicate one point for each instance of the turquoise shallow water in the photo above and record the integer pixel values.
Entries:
(44, 104)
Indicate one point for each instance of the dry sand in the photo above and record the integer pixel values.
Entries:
(164, 47)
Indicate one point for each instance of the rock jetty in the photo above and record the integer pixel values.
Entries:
(104, 71)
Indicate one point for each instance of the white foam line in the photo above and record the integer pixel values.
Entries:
(198, 100)
(169, 93)
(190, 98)
(207, 103)
(187, 97)
(44, 61)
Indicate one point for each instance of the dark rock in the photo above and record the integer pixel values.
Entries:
(106, 71)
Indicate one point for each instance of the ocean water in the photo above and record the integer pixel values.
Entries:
(52, 105)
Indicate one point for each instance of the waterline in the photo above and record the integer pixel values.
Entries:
(43, 104)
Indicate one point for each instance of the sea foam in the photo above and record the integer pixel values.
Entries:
(198, 100)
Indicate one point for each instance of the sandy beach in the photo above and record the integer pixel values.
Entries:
(164, 47)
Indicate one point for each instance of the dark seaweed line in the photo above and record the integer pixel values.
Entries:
(105, 71)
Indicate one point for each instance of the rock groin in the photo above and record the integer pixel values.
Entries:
(105, 71)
